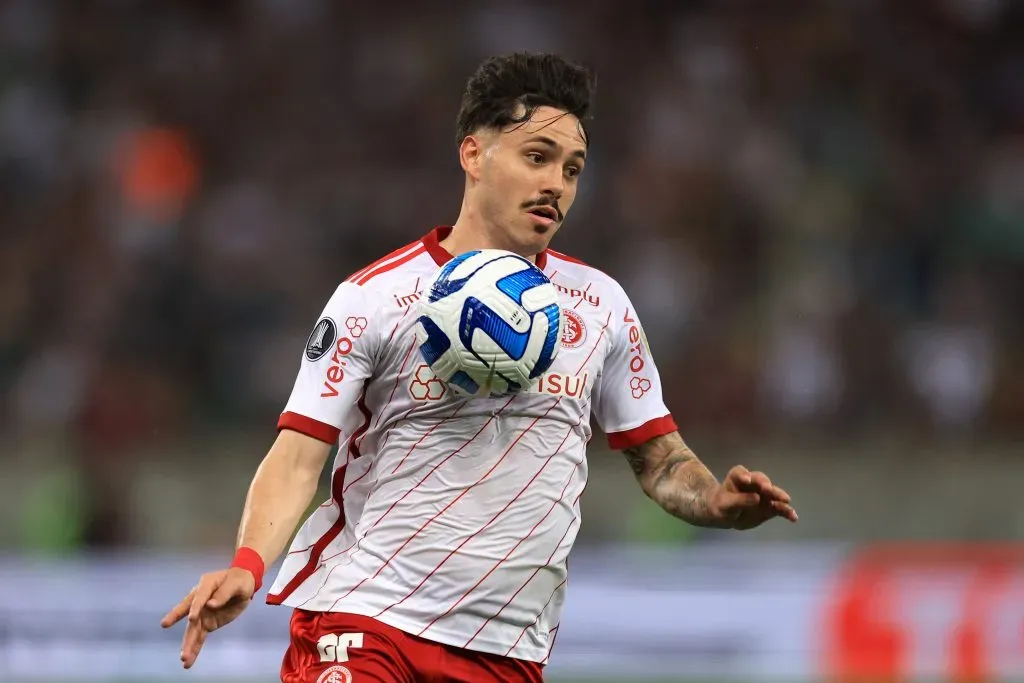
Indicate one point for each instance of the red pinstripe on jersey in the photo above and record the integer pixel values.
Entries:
(572, 523)
(337, 494)
(585, 293)
(548, 602)
(337, 484)
(353, 446)
(553, 634)
(398, 379)
(394, 504)
(452, 502)
(479, 531)
(425, 435)
(568, 480)
(597, 344)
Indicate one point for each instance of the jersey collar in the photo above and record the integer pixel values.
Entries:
(432, 243)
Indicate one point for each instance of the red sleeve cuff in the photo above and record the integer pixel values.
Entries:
(659, 426)
(308, 426)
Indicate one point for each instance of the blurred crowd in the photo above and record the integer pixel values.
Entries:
(817, 207)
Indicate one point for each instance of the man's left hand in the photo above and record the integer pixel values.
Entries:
(748, 499)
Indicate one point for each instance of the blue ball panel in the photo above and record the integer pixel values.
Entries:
(464, 381)
(437, 341)
(547, 353)
(477, 315)
(443, 286)
(516, 284)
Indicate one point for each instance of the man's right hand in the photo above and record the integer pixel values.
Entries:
(216, 601)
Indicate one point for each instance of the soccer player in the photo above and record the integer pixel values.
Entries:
(441, 553)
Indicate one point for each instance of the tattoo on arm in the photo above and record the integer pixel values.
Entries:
(673, 477)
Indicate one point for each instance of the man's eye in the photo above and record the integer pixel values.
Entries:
(535, 157)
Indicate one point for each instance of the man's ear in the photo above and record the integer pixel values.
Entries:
(471, 155)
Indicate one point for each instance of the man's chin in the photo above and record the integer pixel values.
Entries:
(529, 241)
(538, 237)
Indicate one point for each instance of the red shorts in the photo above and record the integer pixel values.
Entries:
(333, 647)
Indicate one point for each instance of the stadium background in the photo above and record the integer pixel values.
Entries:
(817, 208)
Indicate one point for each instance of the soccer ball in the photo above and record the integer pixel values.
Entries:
(489, 323)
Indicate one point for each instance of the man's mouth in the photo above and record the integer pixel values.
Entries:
(544, 215)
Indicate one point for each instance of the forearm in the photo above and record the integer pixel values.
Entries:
(280, 493)
(677, 481)
(682, 488)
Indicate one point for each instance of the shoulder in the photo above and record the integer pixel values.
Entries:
(399, 276)
(565, 270)
(411, 257)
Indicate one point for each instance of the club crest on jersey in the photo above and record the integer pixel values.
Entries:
(335, 674)
(574, 330)
(321, 339)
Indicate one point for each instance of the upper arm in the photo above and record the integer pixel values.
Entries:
(339, 357)
(628, 402)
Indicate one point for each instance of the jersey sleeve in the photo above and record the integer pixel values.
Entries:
(629, 406)
(336, 363)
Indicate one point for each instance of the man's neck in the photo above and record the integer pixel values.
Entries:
(469, 233)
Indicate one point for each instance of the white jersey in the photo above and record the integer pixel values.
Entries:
(452, 518)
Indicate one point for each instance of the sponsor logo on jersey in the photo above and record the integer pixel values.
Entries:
(638, 352)
(574, 330)
(356, 325)
(639, 386)
(407, 300)
(581, 294)
(336, 372)
(561, 384)
(425, 385)
(321, 339)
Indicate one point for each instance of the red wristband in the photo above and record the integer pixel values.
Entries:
(250, 560)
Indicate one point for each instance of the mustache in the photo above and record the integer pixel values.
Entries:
(545, 201)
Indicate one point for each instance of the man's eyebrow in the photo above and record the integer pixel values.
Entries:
(548, 142)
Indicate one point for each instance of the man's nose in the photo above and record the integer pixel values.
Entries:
(554, 184)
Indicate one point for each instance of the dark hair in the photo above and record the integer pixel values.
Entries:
(501, 84)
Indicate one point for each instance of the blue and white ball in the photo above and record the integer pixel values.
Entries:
(489, 323)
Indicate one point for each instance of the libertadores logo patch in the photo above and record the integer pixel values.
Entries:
(321, 339)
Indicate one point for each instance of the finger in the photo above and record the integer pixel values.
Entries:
(780, 495)
(738, 478)
(203, 591)
(785, 510)
(228, 590)
(192, 643)
(760, 482)
(737, 501)
(179, 611)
